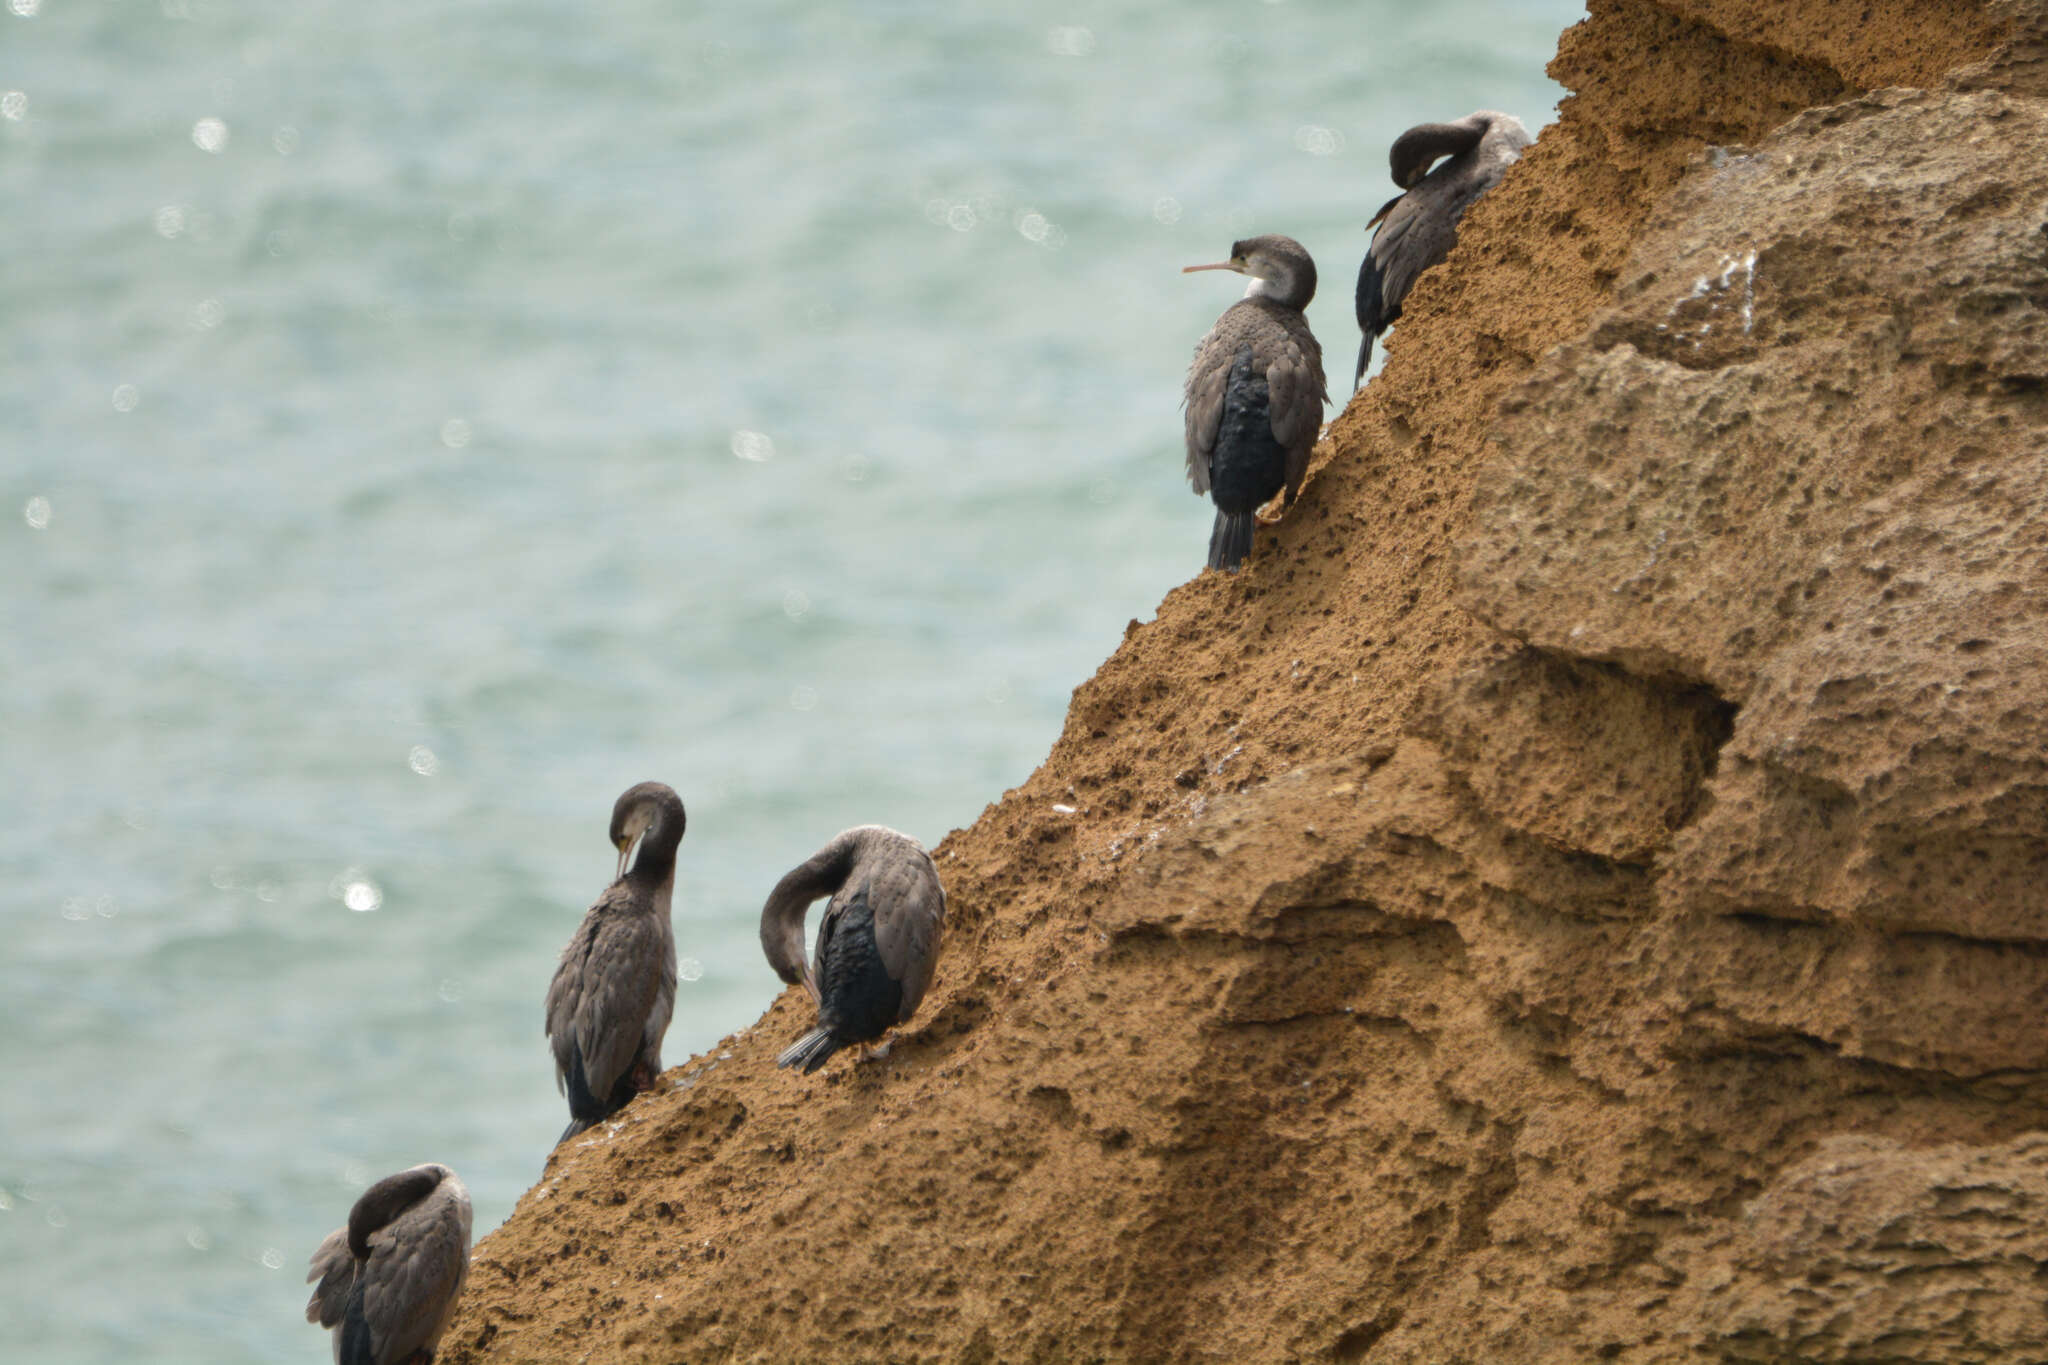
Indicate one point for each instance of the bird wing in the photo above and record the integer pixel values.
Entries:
(1421, 229)
(909, 907)
(1208, 377)
(412, 1279)
(1295, 391)
(1414, 236)
(566, 992)
(602, 1000)
(1372, 304)
(663, 1007)
(335, 1270)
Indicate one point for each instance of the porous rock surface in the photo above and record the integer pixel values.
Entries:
(1582, 893)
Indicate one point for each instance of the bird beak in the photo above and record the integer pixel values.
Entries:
(627, 848)
(1220, 265)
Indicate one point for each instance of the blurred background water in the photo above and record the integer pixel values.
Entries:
(419, 422)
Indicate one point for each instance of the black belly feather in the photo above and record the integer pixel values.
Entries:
(1248, 467)
(858, 999)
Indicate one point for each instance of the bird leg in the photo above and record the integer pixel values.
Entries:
(1270, 514)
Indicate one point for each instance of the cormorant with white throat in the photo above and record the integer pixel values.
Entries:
(1255, 393)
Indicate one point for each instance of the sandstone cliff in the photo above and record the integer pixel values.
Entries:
(1608, 919)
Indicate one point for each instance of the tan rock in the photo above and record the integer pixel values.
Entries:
(1872, 1250)
(1801, 463)
(1603, 919)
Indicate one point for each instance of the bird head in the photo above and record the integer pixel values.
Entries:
(1416, 152)
(643, 808)
(1278, 266)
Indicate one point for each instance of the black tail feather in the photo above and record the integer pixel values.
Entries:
(1374, 316)
(1230, 544)
(586, 1110)
(810, 1052)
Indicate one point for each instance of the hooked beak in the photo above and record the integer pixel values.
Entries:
(627, 848)
(1220, 265)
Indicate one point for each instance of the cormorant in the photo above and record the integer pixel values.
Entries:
(1418, 227)
(1255, 393)
(612, 995)
(387, 1283)
(877, 944)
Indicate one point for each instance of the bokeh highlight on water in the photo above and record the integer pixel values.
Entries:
(422, 421)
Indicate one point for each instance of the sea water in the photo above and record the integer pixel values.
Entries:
(419, 422)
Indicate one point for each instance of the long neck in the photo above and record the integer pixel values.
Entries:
(782, 918)
(1284, 286)
(1414, 151)
(655, 863)
(383, 1202)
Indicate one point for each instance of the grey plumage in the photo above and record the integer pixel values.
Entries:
(386, 1284)
(1418, 228)
(615, 988)
(335, 1271)
(1255, 393)
(878, 941)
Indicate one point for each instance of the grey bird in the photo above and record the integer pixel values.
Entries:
(877, 944)
(1419, 226)
(386, 1284)
(1255, 393)
(612, 995)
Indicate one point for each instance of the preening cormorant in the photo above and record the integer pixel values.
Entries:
(612, 995)
(877, 944)
(386, 1284)
(1418, 227)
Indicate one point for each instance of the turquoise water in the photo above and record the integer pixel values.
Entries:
(419, 422)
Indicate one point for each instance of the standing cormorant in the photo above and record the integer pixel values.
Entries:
(1418, 227)
(610, 1001)
(877, 944)
(1255, 393)
(388, 1282)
